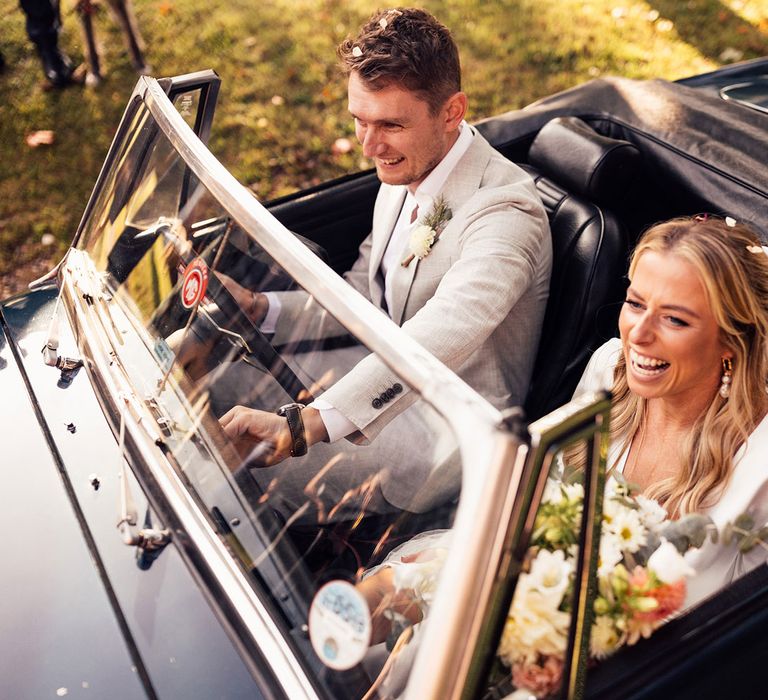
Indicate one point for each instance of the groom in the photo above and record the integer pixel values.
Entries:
(474, 294)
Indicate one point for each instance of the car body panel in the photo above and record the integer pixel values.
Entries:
(66, 634)
(183, 647)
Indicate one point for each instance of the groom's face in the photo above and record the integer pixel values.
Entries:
(399, 132)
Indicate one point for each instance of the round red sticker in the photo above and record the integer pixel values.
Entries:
(195, 283)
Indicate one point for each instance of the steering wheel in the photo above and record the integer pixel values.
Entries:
(228, 319)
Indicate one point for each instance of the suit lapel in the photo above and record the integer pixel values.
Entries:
(382, 232)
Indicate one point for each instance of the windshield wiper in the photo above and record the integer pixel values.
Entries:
(50, 350)
(147, 538)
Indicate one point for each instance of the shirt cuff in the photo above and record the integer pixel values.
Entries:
(269, 324)
(336, 424)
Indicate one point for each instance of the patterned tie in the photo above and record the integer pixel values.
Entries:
(414, 213)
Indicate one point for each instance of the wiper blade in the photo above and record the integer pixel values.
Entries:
(147, 538)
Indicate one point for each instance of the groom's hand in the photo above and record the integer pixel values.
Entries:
(263, 439)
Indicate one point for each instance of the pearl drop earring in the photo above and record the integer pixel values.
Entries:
(725, 380)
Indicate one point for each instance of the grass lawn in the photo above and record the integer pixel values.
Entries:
(283, 103)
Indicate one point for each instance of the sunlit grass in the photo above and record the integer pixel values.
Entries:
(283, 104)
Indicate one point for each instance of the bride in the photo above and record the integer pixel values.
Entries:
(688, 376)
(688, 422)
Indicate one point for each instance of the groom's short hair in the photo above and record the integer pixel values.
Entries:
(406, 47)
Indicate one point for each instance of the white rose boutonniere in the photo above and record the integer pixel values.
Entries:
(421, 241)
(425, 235)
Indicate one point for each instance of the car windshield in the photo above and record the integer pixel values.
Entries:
(173, 279)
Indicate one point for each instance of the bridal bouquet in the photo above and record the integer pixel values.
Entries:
(641, 580)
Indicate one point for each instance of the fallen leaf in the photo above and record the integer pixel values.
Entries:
(44, 137)
(730, 55)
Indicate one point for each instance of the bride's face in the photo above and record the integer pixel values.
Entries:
(672, 343)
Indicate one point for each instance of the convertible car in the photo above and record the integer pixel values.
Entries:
(147, 558)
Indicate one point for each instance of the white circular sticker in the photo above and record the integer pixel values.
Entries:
(339, 625)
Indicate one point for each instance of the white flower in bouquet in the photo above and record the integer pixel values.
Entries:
(549, 576)
(574, 492)
(668, 564)
(629, 530)
(605, 638)
(615, 488)
(610, 554)
(533, 627)
(535, 624)
(612, 502)
(553, 492)
(651, 513)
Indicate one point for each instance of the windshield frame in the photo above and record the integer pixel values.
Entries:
(491, 454)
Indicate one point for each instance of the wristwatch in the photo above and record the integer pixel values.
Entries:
(292, 413)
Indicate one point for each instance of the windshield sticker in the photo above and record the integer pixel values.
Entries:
(164, 354)
(339, 625)
(195, 283)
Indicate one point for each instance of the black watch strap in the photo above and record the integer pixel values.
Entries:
(292, 413)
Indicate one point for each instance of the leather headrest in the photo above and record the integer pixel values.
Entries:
(598, 168)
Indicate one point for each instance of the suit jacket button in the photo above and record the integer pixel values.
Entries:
(397, 388)
(383, 396)
(390, 393)
(377, 403)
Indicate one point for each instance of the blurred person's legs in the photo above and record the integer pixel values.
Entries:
(43, 27)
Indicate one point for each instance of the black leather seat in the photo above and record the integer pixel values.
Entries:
(579, 174)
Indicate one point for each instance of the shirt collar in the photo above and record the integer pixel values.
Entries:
(430, 188)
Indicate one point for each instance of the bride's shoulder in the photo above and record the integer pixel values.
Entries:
(760, 433)
(599, 371)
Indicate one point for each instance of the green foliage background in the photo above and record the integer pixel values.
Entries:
(283, 104)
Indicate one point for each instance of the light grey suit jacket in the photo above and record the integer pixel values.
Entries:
(476, 302)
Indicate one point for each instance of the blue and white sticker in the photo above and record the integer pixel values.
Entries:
(164, 354)
(339, 625)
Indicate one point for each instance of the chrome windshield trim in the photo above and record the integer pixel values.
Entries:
(139, 423)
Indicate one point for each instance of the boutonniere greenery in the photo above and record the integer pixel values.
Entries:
(425, 235)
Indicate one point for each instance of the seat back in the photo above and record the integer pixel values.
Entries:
(579, 174)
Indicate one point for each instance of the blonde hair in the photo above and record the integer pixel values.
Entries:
(734, 270)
